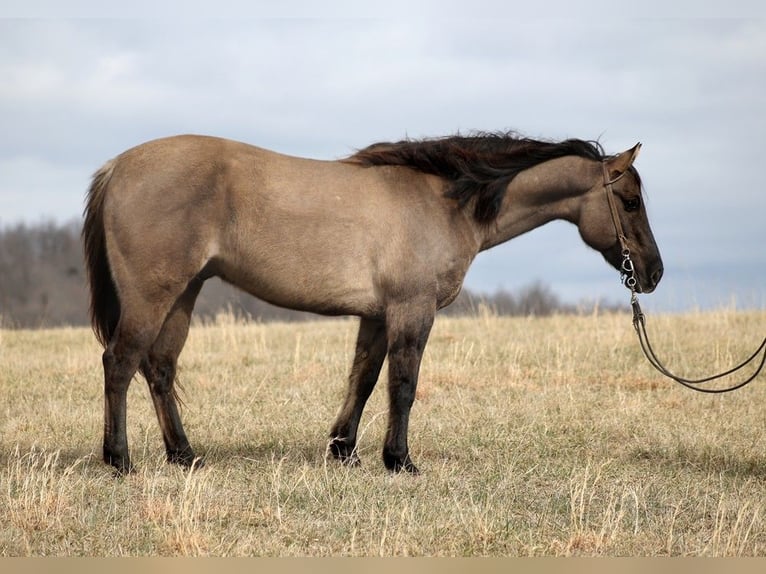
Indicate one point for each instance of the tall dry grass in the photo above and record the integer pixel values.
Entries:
(547, 436)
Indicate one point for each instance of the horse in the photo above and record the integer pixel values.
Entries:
(386, 234)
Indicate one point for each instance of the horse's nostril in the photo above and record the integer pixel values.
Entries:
(657, 275)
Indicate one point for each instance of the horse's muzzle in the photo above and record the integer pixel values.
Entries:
(650, 284)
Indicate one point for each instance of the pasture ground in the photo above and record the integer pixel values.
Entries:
(535, 436)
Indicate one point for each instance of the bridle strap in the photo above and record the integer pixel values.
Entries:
(639, 319)
(628, 274)
(613, 205)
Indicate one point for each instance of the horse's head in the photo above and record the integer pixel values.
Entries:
(613, 220)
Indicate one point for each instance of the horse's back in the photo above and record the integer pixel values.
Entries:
(186, 206)
(324, 236)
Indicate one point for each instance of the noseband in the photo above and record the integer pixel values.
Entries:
(628, 278)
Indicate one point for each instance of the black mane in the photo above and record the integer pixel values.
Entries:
(479, 165)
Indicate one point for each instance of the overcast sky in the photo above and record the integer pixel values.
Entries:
(75, 92)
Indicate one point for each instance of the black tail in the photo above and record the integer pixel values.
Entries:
(104, 302)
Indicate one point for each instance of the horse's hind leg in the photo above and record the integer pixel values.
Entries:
(368, 360)
(136, 331)
(159, 368)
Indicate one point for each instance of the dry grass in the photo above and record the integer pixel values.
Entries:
(535, 437)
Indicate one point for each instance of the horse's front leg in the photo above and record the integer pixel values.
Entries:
(368, 360)
(408, 328)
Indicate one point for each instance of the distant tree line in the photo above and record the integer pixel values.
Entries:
(43, 284)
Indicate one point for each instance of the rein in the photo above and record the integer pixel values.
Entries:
(628, 278)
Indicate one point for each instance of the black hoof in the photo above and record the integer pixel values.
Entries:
(186, 459)
(122, 465)
(343, 452)
(399, 464)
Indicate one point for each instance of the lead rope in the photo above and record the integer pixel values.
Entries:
(628, 278)
(639, 324)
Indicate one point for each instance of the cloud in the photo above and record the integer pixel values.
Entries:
(76, 92)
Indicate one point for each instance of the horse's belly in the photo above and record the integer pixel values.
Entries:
(305, 284)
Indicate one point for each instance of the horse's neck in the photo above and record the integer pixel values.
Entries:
(552, 190)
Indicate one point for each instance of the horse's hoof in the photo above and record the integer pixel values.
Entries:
(121, 464)
(122, 470)
(398, 464)
(186, 459)
(343, 452)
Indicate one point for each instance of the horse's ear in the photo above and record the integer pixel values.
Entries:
(620, 163)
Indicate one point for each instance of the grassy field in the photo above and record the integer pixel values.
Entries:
(536, 436)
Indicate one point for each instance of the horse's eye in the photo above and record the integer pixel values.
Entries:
(632, 204)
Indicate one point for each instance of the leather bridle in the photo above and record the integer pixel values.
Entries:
(628, 278)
